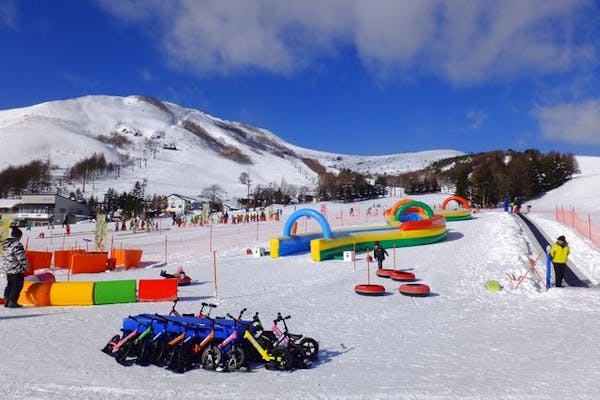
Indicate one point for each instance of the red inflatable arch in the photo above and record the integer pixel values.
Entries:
(458, 199)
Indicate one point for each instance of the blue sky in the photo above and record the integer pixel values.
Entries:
(348, 76)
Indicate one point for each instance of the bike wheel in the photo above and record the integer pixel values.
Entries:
(178, 359)
(123, 352)
(310, 348)
(111, 343)
(145, 353)
(235, 359)
(211, 357)
(283, 358)
(158, 353)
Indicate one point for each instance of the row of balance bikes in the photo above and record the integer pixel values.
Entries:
(181, 342)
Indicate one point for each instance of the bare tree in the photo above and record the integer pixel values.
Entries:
(214, 194)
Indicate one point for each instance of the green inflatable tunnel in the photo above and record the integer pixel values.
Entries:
(111, 292)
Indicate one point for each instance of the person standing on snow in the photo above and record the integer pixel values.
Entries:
(14, 264)
(379, 254)
(559, 252)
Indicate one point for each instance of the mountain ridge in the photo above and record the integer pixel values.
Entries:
(173, 148)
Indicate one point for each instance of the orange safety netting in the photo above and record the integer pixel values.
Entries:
(582, 224)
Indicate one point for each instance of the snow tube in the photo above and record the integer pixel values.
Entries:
(385, 272)
(402, 276)
(414, 289)
(184, 281)
(369, 290)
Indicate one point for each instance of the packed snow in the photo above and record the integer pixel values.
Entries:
(460, 342)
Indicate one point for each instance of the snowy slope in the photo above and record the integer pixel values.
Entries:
(460, 342)
(66, 132)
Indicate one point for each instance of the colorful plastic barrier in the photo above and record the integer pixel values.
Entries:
(50, 293)
(111, 292)
(127, 257)
(62, 258)
(157, 289)
(72, 294)
(88, 263)
(38, 260)
(35, 294)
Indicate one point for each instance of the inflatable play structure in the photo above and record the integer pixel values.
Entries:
(410, 223)
(462, 212)
(48, 293)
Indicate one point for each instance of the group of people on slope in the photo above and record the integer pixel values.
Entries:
(14, 264)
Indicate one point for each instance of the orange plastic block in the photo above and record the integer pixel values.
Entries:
(62, 258)
(38, 260)
(157, 289)
(127, 257)
(35, 294)
(88, 263)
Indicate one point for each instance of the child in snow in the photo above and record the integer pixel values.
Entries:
(379, 254)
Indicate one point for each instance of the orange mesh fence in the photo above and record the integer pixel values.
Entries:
(581, 223)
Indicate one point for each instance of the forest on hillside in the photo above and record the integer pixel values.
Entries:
(485, 179)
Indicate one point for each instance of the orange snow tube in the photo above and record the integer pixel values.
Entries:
(402, 276)
(370, 290)
(414, 289)
(385, 272)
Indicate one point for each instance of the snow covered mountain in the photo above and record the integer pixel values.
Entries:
(175, 149)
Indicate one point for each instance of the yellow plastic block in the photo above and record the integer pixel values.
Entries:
(72, 294)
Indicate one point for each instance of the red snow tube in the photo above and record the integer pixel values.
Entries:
(369, 290)
(184, 281)
(385, 272)
(402, 276)
(414, 289)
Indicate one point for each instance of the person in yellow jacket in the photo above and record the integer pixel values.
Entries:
(559, 252)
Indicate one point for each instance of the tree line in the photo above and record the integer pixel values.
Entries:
(484, 178)
(348, 186)
(489, 178)
(33, 177)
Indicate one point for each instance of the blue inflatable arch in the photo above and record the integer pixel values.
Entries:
(307, 212)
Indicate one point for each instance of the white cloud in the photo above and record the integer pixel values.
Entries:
(462, 41)
(8, 14)
(577, 123)
(476, 118)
